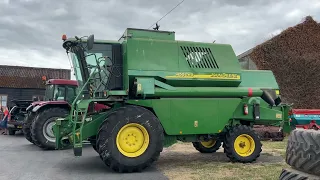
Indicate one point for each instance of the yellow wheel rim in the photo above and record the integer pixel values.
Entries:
(244, 145)
(208, 144)
(132, 140)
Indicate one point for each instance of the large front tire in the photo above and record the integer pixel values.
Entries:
(242, 144)
(130, 140)
(42, 133)
(26, 127)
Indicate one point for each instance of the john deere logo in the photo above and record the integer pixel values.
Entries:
(278, 116)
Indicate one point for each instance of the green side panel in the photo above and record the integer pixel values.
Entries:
(268, 115)
(258, 78)
(207, 57)
(207, 92)
(144, 103)
(193, 116)
(169, 140)
(91, 128)
(190, 79)
(183, 63)
(152, 55)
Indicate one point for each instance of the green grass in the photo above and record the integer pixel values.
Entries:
(183, 162)
(276, 146)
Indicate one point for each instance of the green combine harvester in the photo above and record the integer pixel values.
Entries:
(161, 91)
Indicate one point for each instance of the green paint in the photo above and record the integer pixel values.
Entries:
(193, 88)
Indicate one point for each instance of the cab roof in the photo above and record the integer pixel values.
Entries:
(62, 82)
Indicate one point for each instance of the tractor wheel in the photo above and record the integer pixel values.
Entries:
(242, 144)
(292, 174)
(210, 146)
(303, 151)
(131, 139)
(42, 132)
(27, 125)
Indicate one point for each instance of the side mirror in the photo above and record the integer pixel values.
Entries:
(90, 42)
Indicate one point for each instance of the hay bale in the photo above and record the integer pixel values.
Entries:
(294, 58)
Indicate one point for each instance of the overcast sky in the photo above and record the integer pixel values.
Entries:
(31, 30)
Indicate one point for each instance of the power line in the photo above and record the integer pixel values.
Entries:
(166, 14)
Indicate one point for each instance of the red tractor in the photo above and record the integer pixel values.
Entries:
(41, 115)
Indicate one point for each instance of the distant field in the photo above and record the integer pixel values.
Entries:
(183, 162)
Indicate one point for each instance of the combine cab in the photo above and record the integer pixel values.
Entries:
(161, 91)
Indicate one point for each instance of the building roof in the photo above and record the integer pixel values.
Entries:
(244, 54)
(29, 77)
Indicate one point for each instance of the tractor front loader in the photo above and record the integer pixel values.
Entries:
(160, 91)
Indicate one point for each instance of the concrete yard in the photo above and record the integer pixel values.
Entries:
(21, 160)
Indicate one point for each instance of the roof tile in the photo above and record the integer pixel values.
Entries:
(29, 77)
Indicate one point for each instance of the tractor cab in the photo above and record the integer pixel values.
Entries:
(60, 90)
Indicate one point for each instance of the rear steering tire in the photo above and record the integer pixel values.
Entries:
(242, 144)
(210, 146)
(42, 133)
(131, 139)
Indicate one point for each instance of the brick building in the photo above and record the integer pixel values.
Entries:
(26, 83)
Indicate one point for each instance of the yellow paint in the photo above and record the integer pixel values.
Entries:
(206, 76)
(278, 116)
(244, 145)
(132, 140)
(277, 92)
(208, 144)
(195, 123)
(78, 135)
(139, 87)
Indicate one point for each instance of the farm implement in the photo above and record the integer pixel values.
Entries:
(305, 118)
(161, 91)
(269, 132)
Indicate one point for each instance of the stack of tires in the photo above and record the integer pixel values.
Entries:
(303, 155)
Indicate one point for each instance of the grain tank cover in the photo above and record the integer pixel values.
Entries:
(149, 34)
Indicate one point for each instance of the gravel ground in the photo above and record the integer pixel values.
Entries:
(22, 160)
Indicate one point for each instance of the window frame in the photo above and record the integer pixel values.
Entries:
(38, 97)
(6, 95)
